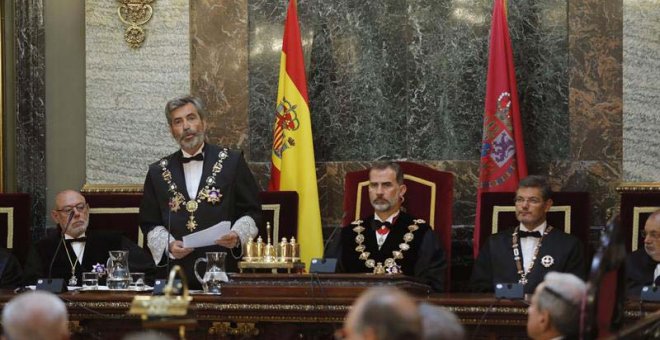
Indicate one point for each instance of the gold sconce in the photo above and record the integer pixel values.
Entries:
(135, 13)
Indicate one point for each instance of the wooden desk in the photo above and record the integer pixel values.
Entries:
(284, 306)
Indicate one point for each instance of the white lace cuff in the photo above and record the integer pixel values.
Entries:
(246, 228)
(158, 240)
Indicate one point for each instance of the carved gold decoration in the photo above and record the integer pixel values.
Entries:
(112, 188)
(638, 187)
(243, 330)
(166, 305)
(135, 13)
(75, 327)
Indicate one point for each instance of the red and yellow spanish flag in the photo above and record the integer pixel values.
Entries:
(503, 161)
(292, 159)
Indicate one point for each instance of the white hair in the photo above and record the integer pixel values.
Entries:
(440, 323)
(35, 316)
(562, 296)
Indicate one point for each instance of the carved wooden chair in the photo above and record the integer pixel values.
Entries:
(429, 196)
(15, 231)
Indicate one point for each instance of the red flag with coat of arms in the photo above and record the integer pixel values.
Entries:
(503, 161)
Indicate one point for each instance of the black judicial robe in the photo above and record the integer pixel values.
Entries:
(11, 274)
(639, 271)
(239, 198)
(97, 246)
(495, 263)
(425, 259)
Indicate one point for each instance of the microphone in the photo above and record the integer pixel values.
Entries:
(59, 244)
(55, 286)
(325, 265)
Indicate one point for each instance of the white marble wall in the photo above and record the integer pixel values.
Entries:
(127, 89)
(641, 90)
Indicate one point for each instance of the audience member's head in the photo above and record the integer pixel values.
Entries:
(383, 313)
(440, 323)
(147, 335)
(652, 236)
(68, 202)
(34, 316)
(555, 307)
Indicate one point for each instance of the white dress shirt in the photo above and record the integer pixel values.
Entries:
(380, 239)
(78, 248)
(527, 245)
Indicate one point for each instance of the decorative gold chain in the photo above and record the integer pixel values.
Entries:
(516, 254)
(208, 193)
(390, 262)
(73, 281)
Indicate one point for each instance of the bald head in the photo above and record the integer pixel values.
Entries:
(384, 313)
(652, 235)
(71, 204)
(35, 316)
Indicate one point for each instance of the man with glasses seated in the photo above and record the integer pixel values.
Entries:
(643, 265)
(80, 249)
(554, 312)
(525, 253)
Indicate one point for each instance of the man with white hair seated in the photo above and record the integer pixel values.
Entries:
(37, 315)
(440, 323)
(555, 309)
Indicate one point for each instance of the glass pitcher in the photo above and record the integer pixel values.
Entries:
(214, 273)
(117, 266)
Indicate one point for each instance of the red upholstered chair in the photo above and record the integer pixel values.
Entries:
(116, 211)
(280, 208)
(571, 212)
(603, 307)
(15, 232)
(638, 201)
(430, 197)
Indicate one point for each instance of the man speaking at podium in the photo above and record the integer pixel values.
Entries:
(195, 188)
(391, 241)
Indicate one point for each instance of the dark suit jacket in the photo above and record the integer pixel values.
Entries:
(239, 198)
(639, 271)
(99, 243)
(11, 273)
(425, 259)
(495, 263)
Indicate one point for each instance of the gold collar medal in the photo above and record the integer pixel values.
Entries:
(390, 266)
(208, 193)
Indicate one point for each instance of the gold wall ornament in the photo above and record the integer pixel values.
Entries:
(135, 13)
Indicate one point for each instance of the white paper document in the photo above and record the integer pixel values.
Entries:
(207, 236)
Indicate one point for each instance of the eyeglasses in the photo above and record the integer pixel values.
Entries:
(652, 235)
(531, 200)
(68, 209)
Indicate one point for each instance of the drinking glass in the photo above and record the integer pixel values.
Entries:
(90, 280)
(137, 281)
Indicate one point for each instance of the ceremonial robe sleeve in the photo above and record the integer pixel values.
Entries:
(575, 263)
(431, 262)
(150, 216)
(247, 193)
(12, 274)
(139, 260)
(482, 273)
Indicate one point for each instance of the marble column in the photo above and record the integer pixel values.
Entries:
(30, 108)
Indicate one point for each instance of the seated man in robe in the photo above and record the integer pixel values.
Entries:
(554, 312)
(525, 253)
(643, 265)
(80, 249)
(11, 274)
(391, 241)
